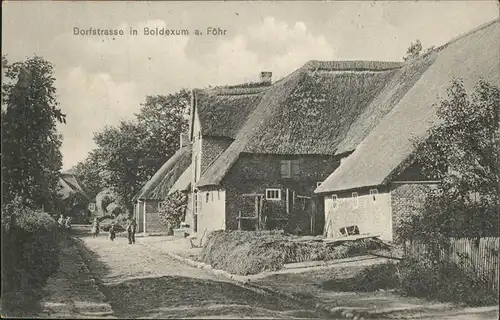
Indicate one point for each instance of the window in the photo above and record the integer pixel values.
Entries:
(273, 194)
(92, 207)
(355, 200)
(290, 168)
(197, 203)
(318, 184)
(196, 168)
(335, 201)
(286, 169)
(160, 205)
(208, 196)
(373, 192)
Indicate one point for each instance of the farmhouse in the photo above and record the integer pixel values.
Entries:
(260, 150)
(378, 183)
(169, 178)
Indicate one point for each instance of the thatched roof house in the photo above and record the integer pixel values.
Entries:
(69, 186)
(376, 186)
(158, 187)
(308, 112)
(383, 146)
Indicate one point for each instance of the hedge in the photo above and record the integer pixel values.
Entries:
(30, 254)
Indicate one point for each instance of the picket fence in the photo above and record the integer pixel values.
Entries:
(481, 258)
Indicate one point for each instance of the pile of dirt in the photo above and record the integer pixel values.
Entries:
(252, 252)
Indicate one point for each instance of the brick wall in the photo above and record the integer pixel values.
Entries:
(212, 147)
(255, 173)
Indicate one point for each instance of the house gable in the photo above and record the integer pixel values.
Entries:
(308, 112)
(379, 157)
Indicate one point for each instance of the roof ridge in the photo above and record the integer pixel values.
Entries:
(351, 65)
(466, 34)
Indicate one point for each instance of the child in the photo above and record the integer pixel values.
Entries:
(112, 233)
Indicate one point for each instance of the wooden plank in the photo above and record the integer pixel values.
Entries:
(252, 194)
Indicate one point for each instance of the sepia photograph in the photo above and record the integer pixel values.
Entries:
(250, 160)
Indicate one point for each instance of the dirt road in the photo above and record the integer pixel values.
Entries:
(141, 283)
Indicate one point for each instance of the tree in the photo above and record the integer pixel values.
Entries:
(121, 150)
(31, 157)
(163, 118)
(463, 153)
(89, 173)
(413, 51)
(132, 152)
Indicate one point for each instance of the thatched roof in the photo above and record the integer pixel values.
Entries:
(388, 145)
(159, 185)
(69, 185)
(308, 112)
(222, 111)
(184, 181)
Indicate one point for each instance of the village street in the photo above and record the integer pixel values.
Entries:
(142, 283)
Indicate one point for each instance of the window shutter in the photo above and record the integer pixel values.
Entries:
(295, 168)
(285, 168)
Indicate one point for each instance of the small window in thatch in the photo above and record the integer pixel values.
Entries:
(273, 194)
(355, 200)
(318, 184)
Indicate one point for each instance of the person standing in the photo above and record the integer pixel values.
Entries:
(60, 223)
(67, 223)
(112, 232)
(131, 227)
(95, 228)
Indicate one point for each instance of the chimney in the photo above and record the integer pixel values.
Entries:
(266, 77)
(184, 140)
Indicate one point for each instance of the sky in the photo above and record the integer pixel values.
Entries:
(101, 80)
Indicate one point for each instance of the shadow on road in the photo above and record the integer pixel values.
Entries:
(183, 297)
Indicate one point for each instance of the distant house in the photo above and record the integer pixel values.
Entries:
(74, 197)
(172, 176)
(259, 152)
(69, 186)
(378, 183)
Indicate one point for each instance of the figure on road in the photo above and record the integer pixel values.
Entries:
(95, 228)
(112, 232)
(131, 227)
(60, 223)
(67, 224)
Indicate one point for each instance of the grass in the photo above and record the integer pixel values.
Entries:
(251, 252)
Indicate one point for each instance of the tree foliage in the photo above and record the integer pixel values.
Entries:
(127, 155)
(173, 210)
(413, 50)
(463, 153)
(31, 157)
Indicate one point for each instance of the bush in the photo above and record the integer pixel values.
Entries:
(251, 252)
(173, 210)
(30, 254)
(372, 278)
(445, 281)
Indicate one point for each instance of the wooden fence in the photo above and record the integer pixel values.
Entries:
(480, 257)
